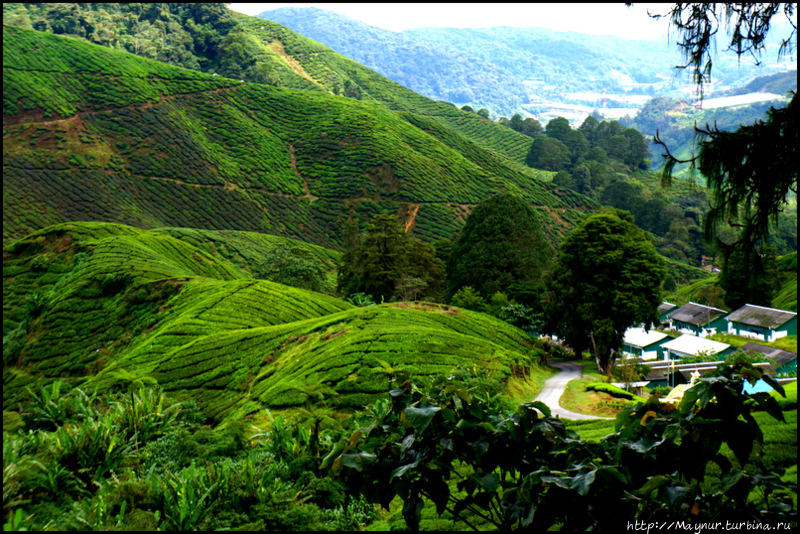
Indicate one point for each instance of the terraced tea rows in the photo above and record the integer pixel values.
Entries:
(332, 71)
(354, 353)
(84, 301)
(227, 155)
(61, 76)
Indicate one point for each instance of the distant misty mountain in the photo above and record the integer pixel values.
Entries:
(435, 70)
(510, 69)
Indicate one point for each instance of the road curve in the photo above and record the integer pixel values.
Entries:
(554, 387)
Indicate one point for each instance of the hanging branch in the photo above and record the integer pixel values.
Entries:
(697, 25)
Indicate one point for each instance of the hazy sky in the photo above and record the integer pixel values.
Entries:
(600, 19)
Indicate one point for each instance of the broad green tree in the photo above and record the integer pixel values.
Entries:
(582, 179)
(516, 122)
(387, 263)
(502, 243)
(558, 128)
(607, 278)
(531, 127)
(548, 154)
(748, 275)
(637, 149)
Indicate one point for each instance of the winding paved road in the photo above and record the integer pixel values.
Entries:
(554, 387)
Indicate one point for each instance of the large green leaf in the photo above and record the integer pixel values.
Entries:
(359, 461)
(420, 418)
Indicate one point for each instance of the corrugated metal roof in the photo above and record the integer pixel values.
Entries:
(753, 315)
(696, 314)
(666, 306)
(780, 357)
(637, 337)
(689, 344)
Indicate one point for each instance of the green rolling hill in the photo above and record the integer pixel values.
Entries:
(96, 134)
(85, 301)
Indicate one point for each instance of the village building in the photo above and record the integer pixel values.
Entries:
(663, 309)
(759, 322)
(672, 373)
(782, 361)
(688, 345)
(639, 343)
(697, 319)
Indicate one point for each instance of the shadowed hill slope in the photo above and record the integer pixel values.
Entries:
(84, 301)
(105, 135)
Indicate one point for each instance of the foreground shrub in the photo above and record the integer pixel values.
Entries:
(141, 461)
(487, 467)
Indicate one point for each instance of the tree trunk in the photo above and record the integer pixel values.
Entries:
(603, 367)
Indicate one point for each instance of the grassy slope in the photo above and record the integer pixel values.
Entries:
(83, 301)
(330, 71)
(95, 134)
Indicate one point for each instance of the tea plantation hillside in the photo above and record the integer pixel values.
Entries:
(93, 302)
(95, 134)
(275, 47)
(257, 51)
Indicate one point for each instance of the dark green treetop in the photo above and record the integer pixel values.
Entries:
(388, 264)
(501, 244)
(607, 278)
(548, 154)
(748, 275)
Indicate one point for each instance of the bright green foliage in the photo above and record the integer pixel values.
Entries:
(93, 302)
(790, 400)
(251, 251)
(346, 351)
(491, 468)
(591, 429)
(67, 75)
(76, 295)
(388, 264)
(467, 297)
(786, 295)
(521, 316)
(705, 290)
(607, 279)
(291, 267)
(502, 243)
(614, 391)
(181, 34)
(82, 472)
(610, 147)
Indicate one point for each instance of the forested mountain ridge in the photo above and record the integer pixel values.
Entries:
(148, 138)
(435, 70)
